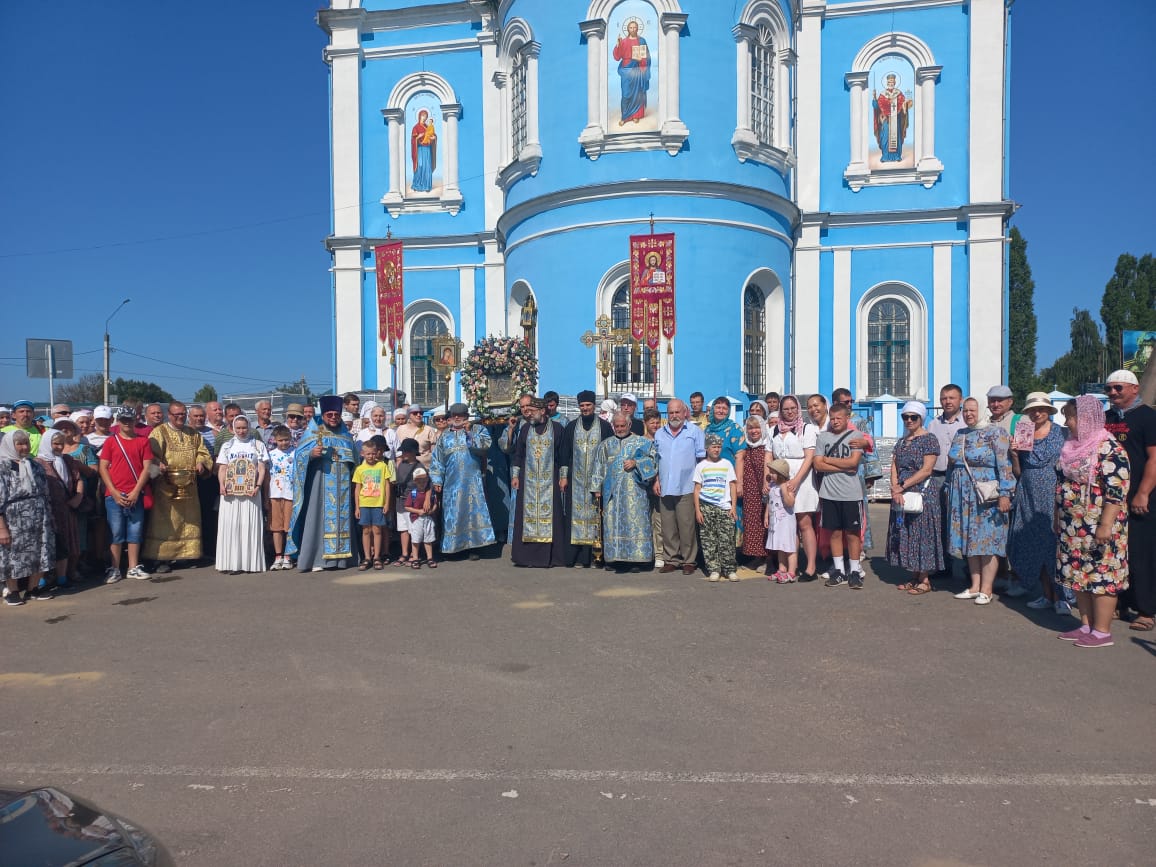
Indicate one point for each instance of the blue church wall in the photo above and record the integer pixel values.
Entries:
(712, 266)
(892, 233)
(379, 76)
(944, 31)
(417, 35)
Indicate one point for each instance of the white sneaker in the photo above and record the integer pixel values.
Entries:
(965, 594)
(1015, 589)
(714, 576)
(112, 575)
(1062, 607)
(1040, 603)
(733, 577)
(138, 573)
(982, 599)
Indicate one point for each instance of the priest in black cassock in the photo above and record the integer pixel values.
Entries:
(540, 475)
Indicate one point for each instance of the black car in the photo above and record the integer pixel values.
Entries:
(51, 828)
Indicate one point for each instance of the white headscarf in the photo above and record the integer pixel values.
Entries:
(766, 438)
(26, 483)
(366, 408)
(45, 454)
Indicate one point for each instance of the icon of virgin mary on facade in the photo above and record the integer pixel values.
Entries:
(423, 152)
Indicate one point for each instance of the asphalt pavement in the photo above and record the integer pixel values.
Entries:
(479, 714)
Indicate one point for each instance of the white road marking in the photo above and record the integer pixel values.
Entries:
(552, 775)
(513, 793)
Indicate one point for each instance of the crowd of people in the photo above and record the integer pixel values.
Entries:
(1059, 512)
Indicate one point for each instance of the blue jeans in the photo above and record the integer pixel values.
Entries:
(124, 524)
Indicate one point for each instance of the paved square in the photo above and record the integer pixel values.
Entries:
(482, 714)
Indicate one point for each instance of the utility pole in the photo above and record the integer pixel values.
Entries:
(106, 345)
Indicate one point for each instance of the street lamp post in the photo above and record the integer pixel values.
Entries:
(106, 346)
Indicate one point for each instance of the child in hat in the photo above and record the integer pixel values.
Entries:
(782, 532)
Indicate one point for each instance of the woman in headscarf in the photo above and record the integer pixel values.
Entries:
(27, 535)
(913, 538)
(374, 423)
(793, 440)
(87, 513)
(978, 527)
(759, 408)
(1092, 521)
(751, 473)
(1031, 539)
(241, 469)
(66, 492)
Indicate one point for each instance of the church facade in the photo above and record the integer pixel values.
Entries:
(835, 173)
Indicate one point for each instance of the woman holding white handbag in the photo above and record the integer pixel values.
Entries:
(913, 530)
(982, 485)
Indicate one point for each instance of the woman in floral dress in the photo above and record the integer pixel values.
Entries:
(751, 471)
(1091, 520)
(66, 493)
(27, 534)
(978, 530)
(1031, 543)
(913, 540)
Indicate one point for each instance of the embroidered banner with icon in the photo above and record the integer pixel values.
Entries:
(652, 288)
(390, 294)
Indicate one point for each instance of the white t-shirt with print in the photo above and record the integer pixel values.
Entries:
(715, 478)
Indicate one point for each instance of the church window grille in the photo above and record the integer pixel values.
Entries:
(754, 340)
(889, 348)
(633, 364)
(518, 108)
(428, 387)
(763, 62)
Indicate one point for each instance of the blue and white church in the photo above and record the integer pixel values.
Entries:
(835, 173)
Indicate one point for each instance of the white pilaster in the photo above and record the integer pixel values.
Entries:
(494, 122)
(743, 34)
(467, 330)
(805, 294)
(347, 283)
(533, 146)
(393, 118)
(595, 33)
(674, 131)
(345, 58)
(985, 278)
(808, 121)
(452, 194)
(986, 116)
(857, 169)
(941, 324)
(495, 283)
(841, 315)
(926, 161)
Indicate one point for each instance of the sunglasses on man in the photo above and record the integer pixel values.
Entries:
(1112, 388)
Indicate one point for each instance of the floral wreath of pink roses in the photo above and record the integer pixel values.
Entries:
(496, 356)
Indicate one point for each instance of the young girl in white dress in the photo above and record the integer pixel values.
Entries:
(782, 531)
(241, 469)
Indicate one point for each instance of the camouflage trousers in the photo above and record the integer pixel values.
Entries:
(717, 537)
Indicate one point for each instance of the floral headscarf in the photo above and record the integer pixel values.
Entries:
(1078, 455)
(796, 427)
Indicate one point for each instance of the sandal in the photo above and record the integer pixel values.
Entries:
(789, 578)
(416, 564)
(433, 564)
(906, 588)
(920, 589)
(775, 576)
(378, 564)
(401, 561)
(1142, 624)
(364, 567)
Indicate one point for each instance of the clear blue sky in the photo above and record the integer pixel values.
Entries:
(176, 154)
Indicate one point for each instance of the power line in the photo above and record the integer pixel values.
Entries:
(187, 367)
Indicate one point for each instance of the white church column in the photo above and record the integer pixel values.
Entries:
(986, 78)
(985, 278)
(451, 195)
(394, 118)
(743, 34)
(533, 147)
(592, 136)
(805, 310)
(347, 283)
(926, 161)
(674, 131)
(842, 317)
(493, 126)
(857, 83)
(809, 91)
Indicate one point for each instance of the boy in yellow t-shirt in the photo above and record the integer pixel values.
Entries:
(372, 499)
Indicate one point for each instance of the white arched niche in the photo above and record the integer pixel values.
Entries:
(775, 330)
(396, 200)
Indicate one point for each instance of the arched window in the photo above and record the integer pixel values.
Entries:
(889, 348)
(427, 387)
(754, 340)
(520, 151)
(763, 131)
(633, 364)
(518, 103)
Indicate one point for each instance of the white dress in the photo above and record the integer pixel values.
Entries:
(241, 522)
(782, 528)
(791, 449)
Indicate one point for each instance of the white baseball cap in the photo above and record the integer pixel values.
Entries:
(102, 411)
(1125, 376)
(629, 396)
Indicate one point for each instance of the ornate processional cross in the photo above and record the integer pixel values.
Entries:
(604, 337)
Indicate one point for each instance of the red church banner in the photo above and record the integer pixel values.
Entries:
(652, 288)
(390, 294)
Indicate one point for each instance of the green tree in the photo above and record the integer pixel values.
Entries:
(1084, 363)
(299, 387)
(137, 389)
(1129, 302)
(87, 389)
(1021, 321)
(205, 394)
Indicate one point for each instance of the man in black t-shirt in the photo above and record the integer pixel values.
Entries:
(1133, 424)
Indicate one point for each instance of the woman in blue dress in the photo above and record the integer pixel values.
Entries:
(978, 530)
(1032, 540)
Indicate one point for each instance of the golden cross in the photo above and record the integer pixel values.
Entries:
(604, 336)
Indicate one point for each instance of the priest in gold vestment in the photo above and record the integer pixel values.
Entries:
(174, 524)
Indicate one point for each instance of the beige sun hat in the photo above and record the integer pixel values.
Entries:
(1039, 400)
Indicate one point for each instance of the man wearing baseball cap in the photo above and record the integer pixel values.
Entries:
(102, 427)
(628, 403)
(416, 428)
(22, 412)
(1133, 424)
(999, 408)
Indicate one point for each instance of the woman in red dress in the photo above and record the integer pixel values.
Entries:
(751, 471)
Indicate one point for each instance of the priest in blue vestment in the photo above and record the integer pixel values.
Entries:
(456, 473)
(540, 475)
(581, 439)
(624, 469)
(321, 529)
